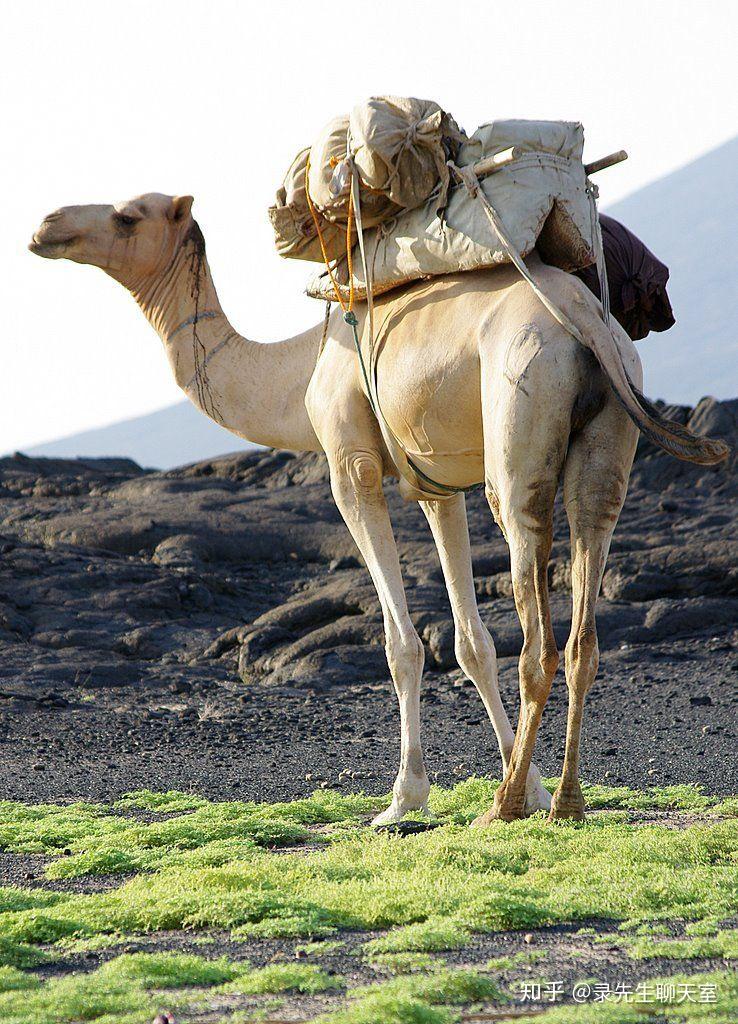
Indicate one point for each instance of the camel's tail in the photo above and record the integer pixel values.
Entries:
(672, 437)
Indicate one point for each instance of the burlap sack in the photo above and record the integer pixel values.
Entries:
(400, 147)
(295, 234)
(328, 150)
(540, 197)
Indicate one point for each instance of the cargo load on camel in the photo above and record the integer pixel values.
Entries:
(408, 156)
(417, 171)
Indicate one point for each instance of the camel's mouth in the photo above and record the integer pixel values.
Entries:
(48, 248)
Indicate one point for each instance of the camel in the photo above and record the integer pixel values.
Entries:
(480, 383)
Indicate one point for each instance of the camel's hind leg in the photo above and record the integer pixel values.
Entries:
(475, 651)
(526, 430)
(595, 483)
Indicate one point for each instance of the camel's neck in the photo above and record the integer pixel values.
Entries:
(255, 390)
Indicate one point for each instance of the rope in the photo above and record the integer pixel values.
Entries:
(469, 178)
(599, 254)
(324, 251)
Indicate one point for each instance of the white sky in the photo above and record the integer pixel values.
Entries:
(104, 100)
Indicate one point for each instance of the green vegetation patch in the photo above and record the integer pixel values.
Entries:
(416, 999)
(131, 988)
(172, 802)
(319, 948)
(50, 828)
(435, 933)
(201, 865)
(723, 945)
(94, 839)
(466, 800)
(307, 979)
(216, 833)
(19, 954)
(209, 834)
(404, 963)
(209, 869)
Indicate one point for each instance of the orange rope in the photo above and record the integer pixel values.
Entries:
(349, 248)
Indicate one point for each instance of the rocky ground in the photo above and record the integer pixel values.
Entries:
(212, 627)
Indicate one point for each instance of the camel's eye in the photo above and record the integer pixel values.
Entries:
(124, 220)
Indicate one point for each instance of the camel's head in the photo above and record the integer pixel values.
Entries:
(131, 241)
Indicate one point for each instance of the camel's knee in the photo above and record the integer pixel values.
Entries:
(357, 473)
(475, 650)
(582, 658)
(405, 654)
(365, 471)
(537, 669)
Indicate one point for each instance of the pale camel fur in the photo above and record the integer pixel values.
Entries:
(481, 383)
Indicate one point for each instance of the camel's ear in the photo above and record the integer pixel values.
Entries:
(181, 206)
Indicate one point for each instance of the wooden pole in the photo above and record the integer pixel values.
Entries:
(606, 161)
(495, 163)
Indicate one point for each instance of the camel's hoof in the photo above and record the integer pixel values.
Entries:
(500, 812)
(567, 809)
(397, 811)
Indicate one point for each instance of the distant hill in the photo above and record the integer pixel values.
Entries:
(169, 437)
(689, 219)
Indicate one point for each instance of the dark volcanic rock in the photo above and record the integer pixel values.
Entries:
(136, 608)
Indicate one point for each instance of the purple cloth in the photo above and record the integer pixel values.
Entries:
(637, 281)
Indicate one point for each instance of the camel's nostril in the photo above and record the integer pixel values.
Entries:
(52, 217)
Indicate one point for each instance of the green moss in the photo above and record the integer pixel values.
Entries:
(12, 898)
(467, 799)
(209, 865)
(101, 843)
(130, 988)
(516, 875)
(235, 828)
(727, 808)
(416, 999)
(307, 979)
(319, 948)
(86, 997)
(643, 928)
(92, 945)
(431, 935)
(168, 970)
(161, 803)
(13, 980)
(50, 828)
(723, 945)
(655, 798)
(707, 926)
(404, 963)
(532, 956)
(19, 954)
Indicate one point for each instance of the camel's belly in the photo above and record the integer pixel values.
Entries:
(437, 417)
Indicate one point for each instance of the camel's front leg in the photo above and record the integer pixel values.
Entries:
(475, 650)
(356, 482)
